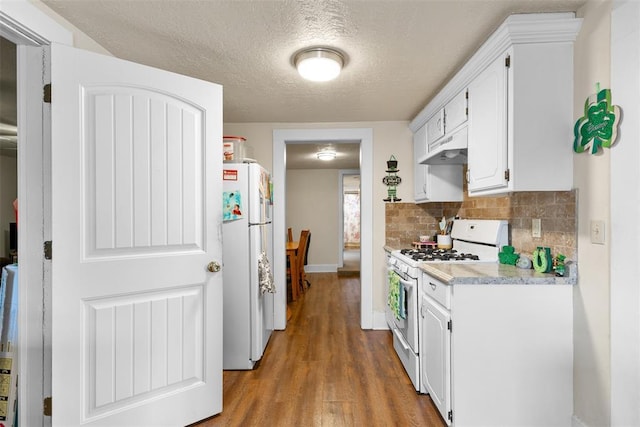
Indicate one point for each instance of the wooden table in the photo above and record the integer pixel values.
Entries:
(292, 255)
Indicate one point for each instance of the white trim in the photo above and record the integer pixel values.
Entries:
(380, 321)
(625, 210)
(365, 136)
(25, 25)
(321, 268)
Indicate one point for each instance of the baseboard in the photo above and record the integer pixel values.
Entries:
(577, 422)
(379, 321)
(321, 268)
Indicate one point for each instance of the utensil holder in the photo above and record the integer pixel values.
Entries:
(444, 241)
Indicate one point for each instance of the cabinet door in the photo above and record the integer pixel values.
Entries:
(487, 145)
(435, 354)
(419, 170)
(456, 111)
(435, 126)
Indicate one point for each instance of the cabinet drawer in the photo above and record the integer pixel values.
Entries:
(437, 290)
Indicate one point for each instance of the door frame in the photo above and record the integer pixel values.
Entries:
(27, 26)
(364, 136)
(625, 207)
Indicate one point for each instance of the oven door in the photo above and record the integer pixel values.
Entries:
(402, 308)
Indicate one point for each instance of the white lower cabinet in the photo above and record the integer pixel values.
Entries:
(435, 357)
(498, 354)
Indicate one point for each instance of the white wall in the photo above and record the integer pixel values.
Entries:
(592, 178)
(312, 203)
(8, 193)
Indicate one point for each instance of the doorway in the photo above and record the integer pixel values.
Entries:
(364, 136)
(349, 250)
(31, 30)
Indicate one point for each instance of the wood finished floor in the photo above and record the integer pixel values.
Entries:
(323, 370)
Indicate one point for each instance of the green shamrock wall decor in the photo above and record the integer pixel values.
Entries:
(599, 125)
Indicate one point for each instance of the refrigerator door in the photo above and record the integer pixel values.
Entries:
(260, 208)
(262, 304)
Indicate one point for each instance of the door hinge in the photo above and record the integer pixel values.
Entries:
(47, 93)
(507, 61)
(47, 249)
(466, 94)
(507, 175)
(450, 415)
(46, 406)
(449, 326)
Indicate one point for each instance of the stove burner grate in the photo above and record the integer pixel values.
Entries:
(431, 254)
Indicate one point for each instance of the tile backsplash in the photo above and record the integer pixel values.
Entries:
(557, 211)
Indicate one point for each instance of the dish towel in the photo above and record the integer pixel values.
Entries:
(396, 297)
(265, 275)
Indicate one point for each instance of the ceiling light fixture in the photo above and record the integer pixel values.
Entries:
(326, 155)
(319, 64)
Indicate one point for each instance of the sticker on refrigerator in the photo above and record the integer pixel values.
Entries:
(231, 205)
(229, 175)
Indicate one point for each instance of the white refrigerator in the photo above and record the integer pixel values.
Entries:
(247, 255)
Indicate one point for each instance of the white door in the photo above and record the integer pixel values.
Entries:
(136, 218)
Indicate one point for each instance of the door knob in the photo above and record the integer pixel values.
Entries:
(213, 267)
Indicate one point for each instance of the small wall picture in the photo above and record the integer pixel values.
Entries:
(231, 205)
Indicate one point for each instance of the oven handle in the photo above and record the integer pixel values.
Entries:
(407, 284)
(404, 343)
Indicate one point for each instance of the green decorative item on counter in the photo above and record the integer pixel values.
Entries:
(599, 125)
(542, 261)
(508, 255)
(558, 265)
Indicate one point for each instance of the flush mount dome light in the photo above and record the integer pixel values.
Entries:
(326, 155)
(319, 64)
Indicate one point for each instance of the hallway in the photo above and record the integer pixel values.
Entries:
(323, 370)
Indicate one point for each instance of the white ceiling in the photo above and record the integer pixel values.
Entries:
(399, 52)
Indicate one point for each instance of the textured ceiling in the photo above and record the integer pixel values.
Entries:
(399, 52)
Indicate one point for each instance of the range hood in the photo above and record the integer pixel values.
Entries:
(450, 149)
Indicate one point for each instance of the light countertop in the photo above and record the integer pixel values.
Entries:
(490, 273)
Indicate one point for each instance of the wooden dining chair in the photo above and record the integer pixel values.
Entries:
(289, 234)
(301, 257)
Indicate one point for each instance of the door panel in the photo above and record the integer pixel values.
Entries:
(136, 218)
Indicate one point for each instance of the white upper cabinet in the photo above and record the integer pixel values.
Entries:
(435, 127)
(519, 106)
(419, 170)
(434, 183)
(456, 111)
(487, 127)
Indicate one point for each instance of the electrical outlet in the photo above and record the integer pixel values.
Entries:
(597, 232)
(536, 227)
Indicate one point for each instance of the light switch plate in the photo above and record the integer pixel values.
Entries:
(536, 227)
(597, 232)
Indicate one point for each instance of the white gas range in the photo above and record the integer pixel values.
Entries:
(473, 241)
